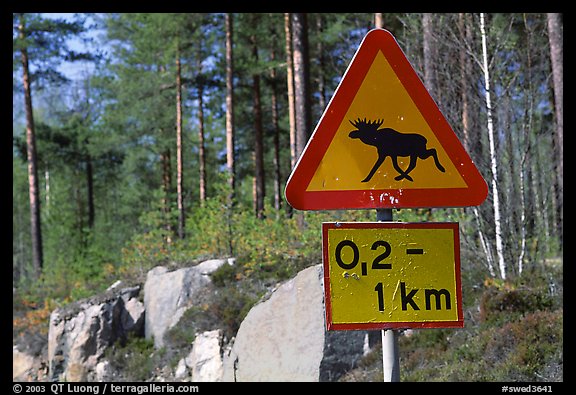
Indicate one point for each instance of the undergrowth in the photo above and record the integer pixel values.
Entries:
(513, 331)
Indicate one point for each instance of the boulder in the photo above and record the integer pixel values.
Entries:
(204, 362)
(205, 359)
(29, 353)
(22, 363)
(79, 333)
(284, 337)
(167, 295)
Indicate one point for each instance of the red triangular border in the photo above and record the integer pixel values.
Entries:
(296, 194)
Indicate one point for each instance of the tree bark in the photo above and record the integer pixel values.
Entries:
(556, 53)
(90, 191)
(34, 196)
(230, 164)
(429, 58)
(290, 87)
(276, 128)
(259, 185)
(179, 161)
(465, 76)
(429, 75)
(167, 189)
(321, 63)
(301, 81)
(201, 139)
(493, 161)
(378, 20)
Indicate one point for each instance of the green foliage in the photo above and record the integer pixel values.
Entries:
(136, 358)
(498, 305)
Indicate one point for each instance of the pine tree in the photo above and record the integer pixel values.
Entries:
(39, 41)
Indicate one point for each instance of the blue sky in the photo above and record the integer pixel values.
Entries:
(75, 70)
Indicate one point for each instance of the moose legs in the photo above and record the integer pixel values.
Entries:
(413, 159)
(403, 174)
(379, 161)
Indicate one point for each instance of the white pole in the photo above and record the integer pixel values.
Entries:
(390, 352)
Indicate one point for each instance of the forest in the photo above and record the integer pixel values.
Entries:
(144, 139)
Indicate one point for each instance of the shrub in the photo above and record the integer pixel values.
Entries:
(135, 359)
(505, 304)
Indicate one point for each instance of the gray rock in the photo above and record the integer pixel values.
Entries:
(204, 362)
(167, 295)
(22, 363)
(284, 338)
(79, 334)
(205, 359)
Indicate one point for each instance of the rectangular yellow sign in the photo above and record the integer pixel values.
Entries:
(383, 275)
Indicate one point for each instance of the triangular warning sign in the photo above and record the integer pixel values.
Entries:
(382, 142)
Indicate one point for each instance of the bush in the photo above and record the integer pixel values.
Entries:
(505, 304)
(135, 359)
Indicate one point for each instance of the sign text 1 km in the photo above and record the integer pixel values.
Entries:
(382, 275)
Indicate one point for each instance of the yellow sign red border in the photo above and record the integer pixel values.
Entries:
(371, 324)
(380, 40)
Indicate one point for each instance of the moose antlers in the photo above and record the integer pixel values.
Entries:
(364, 124)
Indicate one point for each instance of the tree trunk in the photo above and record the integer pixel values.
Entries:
(230, 164)
(47, 190)
(429, 75)
(90, 191)
(321, 76)
(429, 58)
(167, 189)
(290, 86)
(202, 146)
(179, 161)
(34, 196)
(201, 140)
(378, 21)
(301, 81)
(465, 76)
(493, 160)
(276, 128)
(556, 53)
(258, 190)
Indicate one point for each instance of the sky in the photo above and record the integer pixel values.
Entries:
(75, 70)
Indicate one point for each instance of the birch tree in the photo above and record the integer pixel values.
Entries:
(493, 160)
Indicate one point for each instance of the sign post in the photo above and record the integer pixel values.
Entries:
(383, 143)
(390, 350)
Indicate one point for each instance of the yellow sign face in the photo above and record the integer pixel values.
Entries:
(347, 162)
(381, 275)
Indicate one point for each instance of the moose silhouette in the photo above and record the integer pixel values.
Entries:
(392, 143)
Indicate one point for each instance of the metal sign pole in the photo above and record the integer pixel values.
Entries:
(390, 353)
